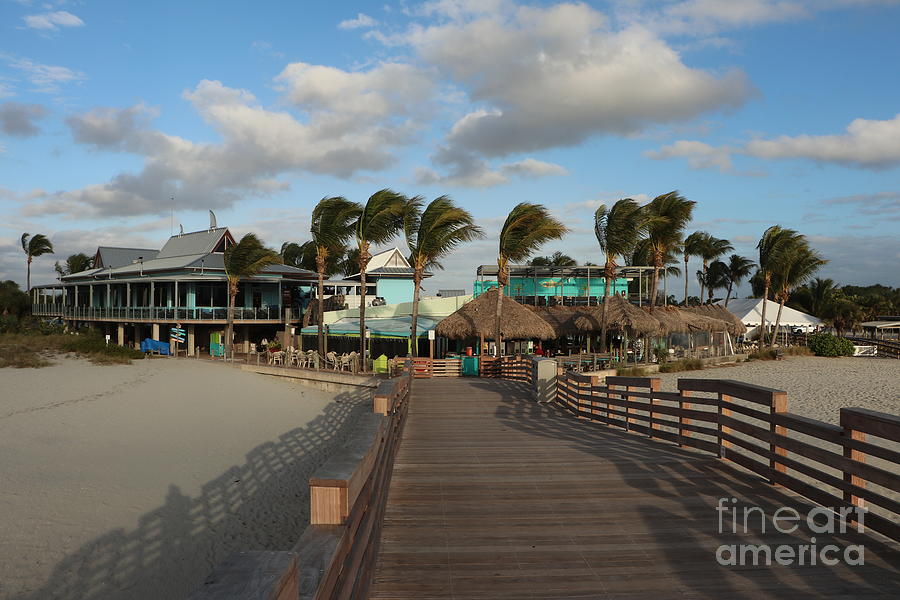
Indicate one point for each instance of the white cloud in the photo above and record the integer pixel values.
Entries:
(531, 167)
(545, 77)
(52, 21)
(866, 143)
(361, 21)
(699, 155)
(47, 79)
(466, 169)
(18, 119)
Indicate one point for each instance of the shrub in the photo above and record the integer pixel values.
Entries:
(661, 355)
(687, 364)
(761, 355)
(825, 344)
(632, 372)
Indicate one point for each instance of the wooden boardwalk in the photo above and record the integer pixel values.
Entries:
(495, 496)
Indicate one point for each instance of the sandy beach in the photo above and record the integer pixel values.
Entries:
(817, 387)
(133, 481)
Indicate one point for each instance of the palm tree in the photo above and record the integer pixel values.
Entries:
(432, 234)
(617, 230)
(666, 217)
(331, 227)
(557, 259)
(738, 268)
(773, 241)
(691, 247)
(715, 277)
(379, 220)
(526, 228)
(710, 249)
(245, 259)
(821, 292)
(76, 263)
(33, 246)
(795, 266)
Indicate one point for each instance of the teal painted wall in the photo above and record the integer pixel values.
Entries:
(394, 291)
(554, 286)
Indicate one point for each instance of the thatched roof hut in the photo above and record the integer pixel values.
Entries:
(476, 319)
(669, 318)
(733, 323)
(563, 318)
(698, 322)
(621, 315)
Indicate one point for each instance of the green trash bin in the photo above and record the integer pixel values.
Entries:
(380, 364)
(470, 366)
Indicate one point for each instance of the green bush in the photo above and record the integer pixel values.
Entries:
(825, 344)
(687, 364)
(761, 355)
(632, 372)
(661, 355)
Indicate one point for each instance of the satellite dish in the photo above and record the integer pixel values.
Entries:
(212, 220)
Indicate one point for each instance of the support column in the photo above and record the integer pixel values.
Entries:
(190, 340)
(155, 331)
(128, 295)
(91, 295)
(120, 334)
(137, 337)
(245, 333)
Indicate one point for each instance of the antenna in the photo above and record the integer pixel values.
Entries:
(212, 220)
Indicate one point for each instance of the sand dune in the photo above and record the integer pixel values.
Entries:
(132, 482)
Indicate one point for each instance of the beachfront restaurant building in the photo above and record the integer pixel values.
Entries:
(565, 286)
(136, 293)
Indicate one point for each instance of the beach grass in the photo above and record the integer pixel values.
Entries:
(24, 351)
(687, 364)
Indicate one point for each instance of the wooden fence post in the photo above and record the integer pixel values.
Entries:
(722, 429)
(682, 421)
(777, 405)
(654, 387)
(856, 455)
(629, 419)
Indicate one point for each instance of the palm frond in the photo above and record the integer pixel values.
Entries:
(248, 258)
(527, 227)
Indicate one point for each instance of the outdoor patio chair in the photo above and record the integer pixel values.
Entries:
(346, 361)
(331, 359)
(278, 358)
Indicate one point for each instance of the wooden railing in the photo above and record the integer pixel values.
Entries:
(514, 368)
(750, 426)
(885, 347)
(335, 556)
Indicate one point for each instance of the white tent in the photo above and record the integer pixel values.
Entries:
(749, 311)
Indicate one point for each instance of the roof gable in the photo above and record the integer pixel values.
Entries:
(197, 242)
(388, 258)
(110, 257)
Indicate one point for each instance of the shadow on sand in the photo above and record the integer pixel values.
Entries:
(261, 504)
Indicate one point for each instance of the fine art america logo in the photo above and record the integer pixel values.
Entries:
(821, 521)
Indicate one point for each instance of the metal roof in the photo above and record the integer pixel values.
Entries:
(197, 242)
(112, 257)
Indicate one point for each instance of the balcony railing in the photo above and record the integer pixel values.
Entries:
(153, 313)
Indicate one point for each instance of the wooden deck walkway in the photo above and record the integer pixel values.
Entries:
(495, 496)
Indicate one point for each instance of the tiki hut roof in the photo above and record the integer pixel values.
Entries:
(733, 323)
(698, 322)
(563, 318)
(476, 318)
(621, 315)
(670, 319)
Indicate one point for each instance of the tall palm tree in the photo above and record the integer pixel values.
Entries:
(75, 263)
(821, 293)
(331, 228)
(526, 228)
(710, 249)
(432, 234)
(617, 230)
(245, 259)
(557, 259)
(34, 246)
(795, 266)
(666, 216)
(771, 245)
(739, 268)
(691, 247)
(714, 277)
(379, 220)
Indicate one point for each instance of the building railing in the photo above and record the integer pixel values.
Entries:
(155, 313)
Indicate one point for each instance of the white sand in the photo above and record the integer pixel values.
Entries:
(817, 387)
(133, 481)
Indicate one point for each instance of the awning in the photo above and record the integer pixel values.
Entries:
(394, 327)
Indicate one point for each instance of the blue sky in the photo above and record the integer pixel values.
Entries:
(762, 111)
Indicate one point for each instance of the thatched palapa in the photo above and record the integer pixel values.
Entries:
(698, 322)
(716, 311)
(621, 315)
(477, 319)
(563, 318)
(669, 318)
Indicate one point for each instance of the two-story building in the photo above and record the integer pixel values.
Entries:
(137, 293)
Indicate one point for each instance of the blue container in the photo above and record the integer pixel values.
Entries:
(470, 366)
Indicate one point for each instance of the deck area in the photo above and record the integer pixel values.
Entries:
(495, 496)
